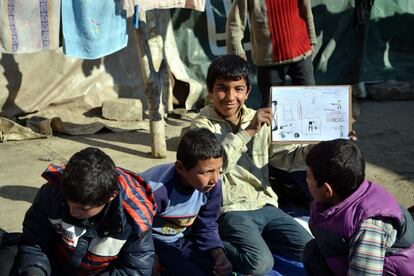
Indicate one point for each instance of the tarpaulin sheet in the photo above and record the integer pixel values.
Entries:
(381, 49)
(11, 131)
(38, 84)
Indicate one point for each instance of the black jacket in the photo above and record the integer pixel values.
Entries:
(112, 243)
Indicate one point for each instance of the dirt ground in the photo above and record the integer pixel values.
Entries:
(385, 134)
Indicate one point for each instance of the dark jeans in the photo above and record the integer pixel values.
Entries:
(7, 256)
(183, 258)
(8, 251)
(314, 262)
(301, 73)
(252, 237)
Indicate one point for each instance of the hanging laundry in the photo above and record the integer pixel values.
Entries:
(129, 6)
(135, 17)
(198, 5)
(29, 26)
(93, 29)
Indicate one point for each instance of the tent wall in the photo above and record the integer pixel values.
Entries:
(381, 49)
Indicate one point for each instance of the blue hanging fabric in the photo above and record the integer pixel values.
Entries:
(135, 18)
(93, 29)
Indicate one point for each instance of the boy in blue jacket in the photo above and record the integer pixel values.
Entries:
(188, 196)
(91, 218)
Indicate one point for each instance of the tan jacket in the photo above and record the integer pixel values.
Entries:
(260, 38)
(245, 171)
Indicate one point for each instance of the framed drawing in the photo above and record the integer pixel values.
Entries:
(309, 114)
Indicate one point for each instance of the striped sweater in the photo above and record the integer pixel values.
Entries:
(281, 32)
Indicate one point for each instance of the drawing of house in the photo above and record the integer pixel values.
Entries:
(311, 124)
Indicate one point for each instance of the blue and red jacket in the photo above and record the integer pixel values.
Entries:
(118, 242)
(334, 226)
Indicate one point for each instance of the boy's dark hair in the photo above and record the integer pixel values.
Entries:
(338, 162)
(198, 144)
(89, 178)
(228, 67)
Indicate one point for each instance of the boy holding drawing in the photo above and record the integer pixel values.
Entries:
(251, 225)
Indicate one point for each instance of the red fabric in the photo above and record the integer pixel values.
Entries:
(288, 30)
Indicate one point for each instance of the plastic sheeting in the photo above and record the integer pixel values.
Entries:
(49, 87)
(380, 49)
(11, 131)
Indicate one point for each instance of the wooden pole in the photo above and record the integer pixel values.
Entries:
(150, 46)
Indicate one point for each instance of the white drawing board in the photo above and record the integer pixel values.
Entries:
(309, 114)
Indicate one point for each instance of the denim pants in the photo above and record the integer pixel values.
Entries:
(252, 237)
(183, 258)
(7, 256)
(301, 73)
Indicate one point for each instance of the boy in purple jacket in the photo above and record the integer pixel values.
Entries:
(359, 228)
(188, 196)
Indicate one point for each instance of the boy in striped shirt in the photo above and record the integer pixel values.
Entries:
(359, 228)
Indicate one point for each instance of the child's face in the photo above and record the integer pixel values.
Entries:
(317, 193)
(204, 175)
(228, 96)
(80, 211)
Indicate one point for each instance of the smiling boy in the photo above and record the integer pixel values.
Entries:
(251, 225)
(188, 196)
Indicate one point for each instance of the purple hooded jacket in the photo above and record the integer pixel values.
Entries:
(334, 226)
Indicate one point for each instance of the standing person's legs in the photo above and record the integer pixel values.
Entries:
(301, 72)
(242, 239)
(313, 260)
(283, 234)
(268, 76)
(174, 261)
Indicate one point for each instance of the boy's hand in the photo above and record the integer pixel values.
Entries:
(262, 116)
(352, 135)
(222, 265)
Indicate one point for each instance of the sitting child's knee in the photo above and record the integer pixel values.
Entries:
(260, 264)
